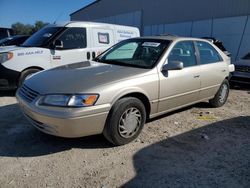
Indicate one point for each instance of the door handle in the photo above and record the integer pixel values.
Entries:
(196, 76)
(88, 55)
(223, 70)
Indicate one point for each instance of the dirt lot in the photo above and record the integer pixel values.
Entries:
(195, 147)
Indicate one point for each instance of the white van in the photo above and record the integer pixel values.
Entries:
(57, 45)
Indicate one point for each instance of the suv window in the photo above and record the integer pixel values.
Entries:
(74, 38)
(184, 52)
(207, 53)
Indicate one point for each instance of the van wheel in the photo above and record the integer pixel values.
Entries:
(221, 96)
(125, 121)
(25, 74)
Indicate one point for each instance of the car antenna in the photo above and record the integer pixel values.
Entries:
(59, 15)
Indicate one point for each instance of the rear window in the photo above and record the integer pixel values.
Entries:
(247, 56)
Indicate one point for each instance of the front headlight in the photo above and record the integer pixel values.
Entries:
(69, 100)
(5, 56)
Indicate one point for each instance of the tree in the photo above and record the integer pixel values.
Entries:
(27, 29)
(38, 25)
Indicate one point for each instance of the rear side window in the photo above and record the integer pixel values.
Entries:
(184, 52)
(207, 53)
(73, 38)
(103, 38)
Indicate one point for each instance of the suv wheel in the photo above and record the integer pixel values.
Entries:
(125, 121)
(221, 96)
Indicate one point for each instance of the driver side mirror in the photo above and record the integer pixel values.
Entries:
(58, 44)
(173, 65)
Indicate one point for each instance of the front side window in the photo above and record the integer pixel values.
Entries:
(207, 53)
(142, 53)
(73, 38)
(184, 52)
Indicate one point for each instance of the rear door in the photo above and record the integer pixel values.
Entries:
(74, 47)
(180, 87)
(213, 69)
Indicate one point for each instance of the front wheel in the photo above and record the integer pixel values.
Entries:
(125, 121)
(221, 96)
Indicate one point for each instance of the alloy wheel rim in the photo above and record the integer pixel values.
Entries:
(129, 122)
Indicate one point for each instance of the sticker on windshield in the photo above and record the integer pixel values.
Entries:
(151, 44)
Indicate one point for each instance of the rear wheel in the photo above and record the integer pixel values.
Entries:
(125, 121)
(221, 96)
(26, 74)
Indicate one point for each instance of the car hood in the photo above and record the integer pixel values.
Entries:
(9, 48)
(242, 62)
(80, 77)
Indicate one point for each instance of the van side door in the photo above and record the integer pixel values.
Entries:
(70, 47)
(101, 40)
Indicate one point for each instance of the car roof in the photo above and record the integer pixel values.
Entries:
(173, 38)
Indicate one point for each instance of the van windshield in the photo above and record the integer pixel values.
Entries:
(141, 53)
(41, 37)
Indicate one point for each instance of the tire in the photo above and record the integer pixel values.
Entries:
(125, 121)
(221, 96)
(26, 74)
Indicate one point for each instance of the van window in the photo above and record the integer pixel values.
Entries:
(184, 52)
(73, 38)
(207, 53)
(103, 38)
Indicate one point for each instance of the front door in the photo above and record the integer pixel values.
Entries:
(180, 87)
(73, 48)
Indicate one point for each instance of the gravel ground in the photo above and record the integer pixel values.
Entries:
(198, 146)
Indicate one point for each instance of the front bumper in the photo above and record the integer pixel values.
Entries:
(240, 77)
(8, 78)
(90, 122)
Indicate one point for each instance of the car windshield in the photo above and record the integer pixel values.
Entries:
(2, 41)
(142, 53)
(247, 56)
(41, 37)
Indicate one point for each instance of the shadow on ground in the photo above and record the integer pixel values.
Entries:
(20, 139)
(217, 155)
(7, 93)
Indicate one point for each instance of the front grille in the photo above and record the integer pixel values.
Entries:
(27, 93)
(242, 68)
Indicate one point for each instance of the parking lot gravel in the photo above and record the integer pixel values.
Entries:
(198, 146)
